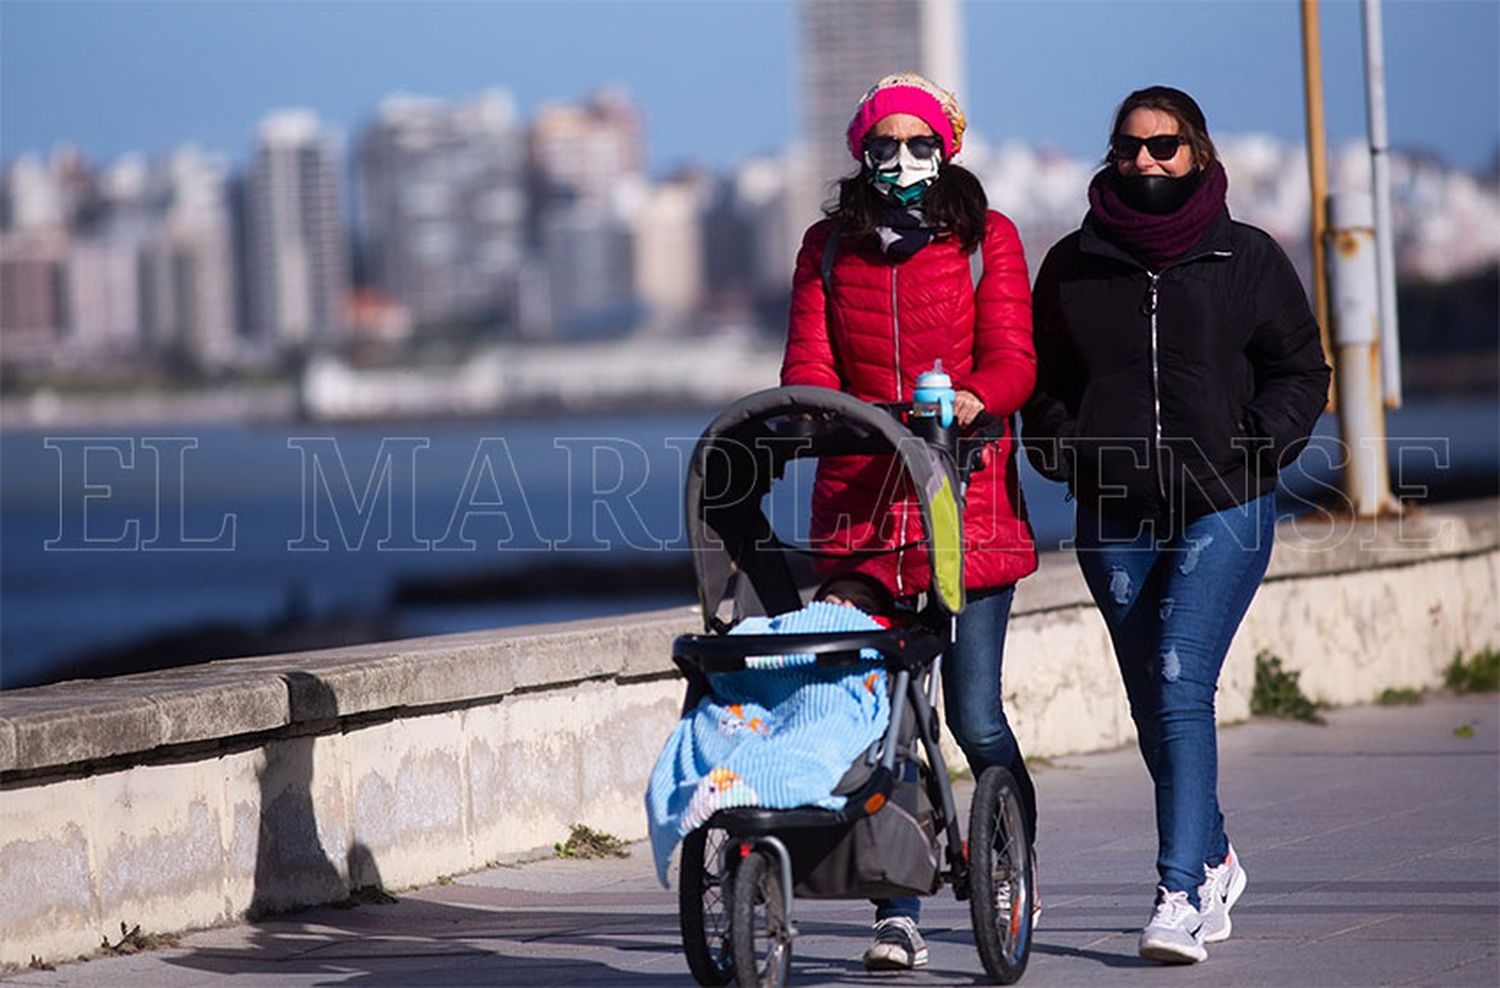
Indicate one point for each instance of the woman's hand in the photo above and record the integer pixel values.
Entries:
(966, 405)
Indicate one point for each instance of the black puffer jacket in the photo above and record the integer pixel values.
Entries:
(1172, 394)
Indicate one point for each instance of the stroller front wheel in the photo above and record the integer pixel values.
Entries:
(703, 906)
(1001, 880)
(760, 928)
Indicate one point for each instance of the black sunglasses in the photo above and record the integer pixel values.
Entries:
(1162, 147)
(887, 148)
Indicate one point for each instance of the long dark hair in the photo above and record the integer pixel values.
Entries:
(1180, 107)
(955, 201)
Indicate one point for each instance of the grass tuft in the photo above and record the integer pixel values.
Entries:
(133, 941)
(1479, 674)
(586, 842)
(1277, 693)
(1393, 697)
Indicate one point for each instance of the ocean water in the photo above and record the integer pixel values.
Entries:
(107, 536)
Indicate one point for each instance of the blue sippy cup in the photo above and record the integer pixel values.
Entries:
(934, 395)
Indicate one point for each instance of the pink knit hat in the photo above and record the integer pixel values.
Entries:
(908, 92)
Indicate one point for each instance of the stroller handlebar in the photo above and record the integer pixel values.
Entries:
(985, 429)
(971, 440)
(986, 426)
(982, 430)
(897, 647)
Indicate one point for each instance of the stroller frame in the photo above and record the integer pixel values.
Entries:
(754, 867)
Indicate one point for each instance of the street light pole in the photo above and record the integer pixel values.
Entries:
(1385, 230)
(1353, 284)
(1317, 169)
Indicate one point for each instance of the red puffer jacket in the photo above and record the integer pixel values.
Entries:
(885, 324)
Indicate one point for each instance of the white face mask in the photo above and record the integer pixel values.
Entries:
(905, 177)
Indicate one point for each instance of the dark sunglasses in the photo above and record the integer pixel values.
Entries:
(888, 148)
(1162, 147)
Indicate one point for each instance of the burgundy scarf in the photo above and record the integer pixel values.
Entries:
(1157, 241)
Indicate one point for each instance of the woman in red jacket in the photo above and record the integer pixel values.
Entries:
(898, 298)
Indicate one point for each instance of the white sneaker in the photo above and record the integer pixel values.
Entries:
(1218, 894)
(1175, 933)
(897, 947)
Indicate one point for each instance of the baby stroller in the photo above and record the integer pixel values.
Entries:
(899, 832)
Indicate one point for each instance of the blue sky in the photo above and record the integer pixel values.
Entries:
(717, 80)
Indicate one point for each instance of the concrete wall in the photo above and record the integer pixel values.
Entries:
(197, 796)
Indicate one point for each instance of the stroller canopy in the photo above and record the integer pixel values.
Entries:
(737, 554)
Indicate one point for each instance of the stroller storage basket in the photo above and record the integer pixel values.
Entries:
(892, 851)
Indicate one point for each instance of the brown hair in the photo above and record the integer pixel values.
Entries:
(955, 201)
(1180, 107)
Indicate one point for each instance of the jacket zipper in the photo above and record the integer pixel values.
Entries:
(896, 346)
(1161, 486)
(896, 331)
(1151, 306)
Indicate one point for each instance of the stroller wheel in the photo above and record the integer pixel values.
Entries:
(703, 906)
(1001, 881)
(760, 929)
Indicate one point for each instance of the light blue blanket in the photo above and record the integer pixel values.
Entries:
(780, 734)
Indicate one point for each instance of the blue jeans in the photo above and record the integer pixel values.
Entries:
(1172, 604)
(975, 710)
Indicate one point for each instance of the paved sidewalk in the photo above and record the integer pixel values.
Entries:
(1371, 846)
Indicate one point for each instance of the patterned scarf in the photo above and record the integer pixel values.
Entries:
(903, 230)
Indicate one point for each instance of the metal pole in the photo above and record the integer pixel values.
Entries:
(1317, 168)
(1354, 280)
(1385, 230)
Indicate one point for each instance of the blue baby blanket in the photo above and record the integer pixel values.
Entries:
(779, 734)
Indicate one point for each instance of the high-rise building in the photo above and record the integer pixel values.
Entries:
(849, 44)
(33, 196)
(589, 254)
(586, 185)
(103, 297)
(151, 269)
(32, 295)
(442, 207)
(752, 239)
(187, 262)
(583, 151)
(846, 46)
(295, 256)
(38, 202)
(669, 251)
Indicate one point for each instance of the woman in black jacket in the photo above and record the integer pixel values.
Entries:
(1179, 369)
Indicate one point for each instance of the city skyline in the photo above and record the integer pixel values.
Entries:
(475, 218)
(455, 233)
(691, 85)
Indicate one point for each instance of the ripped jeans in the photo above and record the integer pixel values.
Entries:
(974, 702)
(1172, 606)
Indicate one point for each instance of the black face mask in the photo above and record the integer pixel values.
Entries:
(1157, 194)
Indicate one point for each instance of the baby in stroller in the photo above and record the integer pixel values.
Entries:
(807, 763)
(781, 733)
